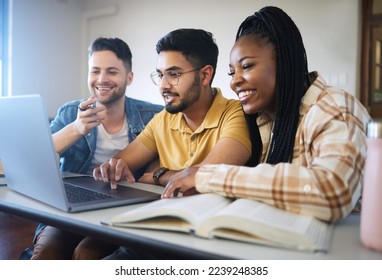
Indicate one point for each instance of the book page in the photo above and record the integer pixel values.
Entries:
(262, 223)
(163, 213)
(2, 177)
(159, 223)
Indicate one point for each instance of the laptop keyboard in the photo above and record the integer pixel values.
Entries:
(77, 194)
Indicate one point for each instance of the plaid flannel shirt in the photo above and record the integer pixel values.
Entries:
(325, 176)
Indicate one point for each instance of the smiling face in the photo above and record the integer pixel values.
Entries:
(180, 97)
(107, 77)
(253, 71)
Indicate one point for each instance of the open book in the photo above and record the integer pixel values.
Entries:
(212, 215)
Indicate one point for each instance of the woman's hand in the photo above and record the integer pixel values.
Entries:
(183, 182)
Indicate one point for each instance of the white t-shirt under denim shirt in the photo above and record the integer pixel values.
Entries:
(108, 145)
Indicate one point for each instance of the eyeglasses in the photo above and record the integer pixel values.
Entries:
(172, 77)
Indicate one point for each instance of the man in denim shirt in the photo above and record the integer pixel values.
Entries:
(87, 132)
(78, 158)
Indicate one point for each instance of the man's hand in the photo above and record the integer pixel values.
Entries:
(113, 171)
(182, 182)
(89, 116)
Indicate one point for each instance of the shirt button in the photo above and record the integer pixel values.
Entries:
(307, 188)
(192, 138)
(191, 154)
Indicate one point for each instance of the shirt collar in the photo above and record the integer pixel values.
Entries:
(313, 94)
(211, 119)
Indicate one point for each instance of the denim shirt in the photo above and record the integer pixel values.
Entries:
(79, 156)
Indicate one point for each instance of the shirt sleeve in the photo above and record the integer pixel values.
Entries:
(56, 124)
(66, 114)
(234, 125)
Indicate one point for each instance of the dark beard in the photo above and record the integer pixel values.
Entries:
(191, 97)
(176, 109)
(116, 96)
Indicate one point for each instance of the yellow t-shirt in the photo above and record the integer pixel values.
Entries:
(179, 147)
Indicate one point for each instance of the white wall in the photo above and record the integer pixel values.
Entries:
(329, 29)
(53, 60)
(46, 45)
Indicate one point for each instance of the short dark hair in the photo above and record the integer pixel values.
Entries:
(197, 45)
(117, 46)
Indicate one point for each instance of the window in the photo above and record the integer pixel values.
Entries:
(4, 43)
(1, 45)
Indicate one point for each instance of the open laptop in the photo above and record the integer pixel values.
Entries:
(31, 165)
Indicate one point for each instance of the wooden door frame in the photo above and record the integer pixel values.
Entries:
(368, 22)
(365, 53)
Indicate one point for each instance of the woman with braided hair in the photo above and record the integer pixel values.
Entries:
(309, 142)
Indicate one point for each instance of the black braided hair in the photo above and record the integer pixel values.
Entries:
(254, 134)
(274, 26)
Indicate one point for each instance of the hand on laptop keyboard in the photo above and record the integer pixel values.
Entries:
(113, 171)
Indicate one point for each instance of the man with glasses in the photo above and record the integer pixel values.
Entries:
(198, 125)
